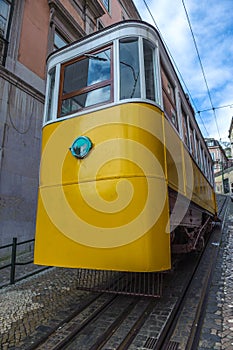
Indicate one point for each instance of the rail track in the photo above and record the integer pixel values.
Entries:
(172, 322)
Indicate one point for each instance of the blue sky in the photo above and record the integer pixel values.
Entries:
(212, 25)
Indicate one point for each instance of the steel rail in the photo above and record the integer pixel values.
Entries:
(168, 336)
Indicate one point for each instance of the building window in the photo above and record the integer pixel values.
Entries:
(106, 4)
(4, 17)
(99, 25)
(86, 82)
(59, 41)
(5, 14)
(210, 143)
(212, 155)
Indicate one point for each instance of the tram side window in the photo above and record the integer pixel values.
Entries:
(169, 98)
(197, 153)
(51, 83)
(202, 159)
(149, 65)
(192, 145)
(129, 69)
(86, 82)
(205, 163)
(185, 127)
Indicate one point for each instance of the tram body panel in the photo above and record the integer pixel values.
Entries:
(107, 247)
(203, 193)
(184, 176)
(118, 133)
(109, 210)
(174, 159)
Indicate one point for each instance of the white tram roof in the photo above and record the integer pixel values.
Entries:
(101, 38)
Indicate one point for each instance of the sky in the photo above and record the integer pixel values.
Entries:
(212, 26)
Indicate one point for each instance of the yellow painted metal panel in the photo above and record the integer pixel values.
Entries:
(183, 174)
(74, 235)
(109, 210)
(126, 134)
(174, 158)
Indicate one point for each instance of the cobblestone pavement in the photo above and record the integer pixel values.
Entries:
(217, 331)
(35, 305)
(39, 303)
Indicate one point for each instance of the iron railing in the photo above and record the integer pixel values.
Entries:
(13, 262)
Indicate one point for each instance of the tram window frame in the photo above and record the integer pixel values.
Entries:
(202, 157)
(151, 73)
(131, 73)
(85, 91)
(169, 97)
(51, 94)
(192, 140)
(185, 128)
(197, 149)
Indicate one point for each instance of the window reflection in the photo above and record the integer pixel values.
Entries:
(129, 69)
(87, 99)
(87, 82)
(91, 70)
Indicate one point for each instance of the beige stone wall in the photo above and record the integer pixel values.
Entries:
(34, 36)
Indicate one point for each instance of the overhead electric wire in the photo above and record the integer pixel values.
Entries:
(175, 65)
(202, 68)
(219, 107)
(148, 9)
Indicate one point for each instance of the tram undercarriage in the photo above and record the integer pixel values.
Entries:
(189, 227)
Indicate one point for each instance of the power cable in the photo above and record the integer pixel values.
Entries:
(210, 109)
(202, 68)
(148, 9)
(175, 65)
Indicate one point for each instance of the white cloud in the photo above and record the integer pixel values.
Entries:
(212, 25)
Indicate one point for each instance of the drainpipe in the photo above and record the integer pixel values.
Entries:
(3, 134)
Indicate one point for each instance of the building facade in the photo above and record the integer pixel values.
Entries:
(223, 165)
(218, 155)
(231, 136)
(224, 181)
(29, 31)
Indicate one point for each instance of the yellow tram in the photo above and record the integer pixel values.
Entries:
(125, 174)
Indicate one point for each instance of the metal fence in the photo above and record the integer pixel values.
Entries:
(13, 262)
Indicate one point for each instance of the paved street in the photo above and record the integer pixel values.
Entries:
(36, 305)
(217, 330)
